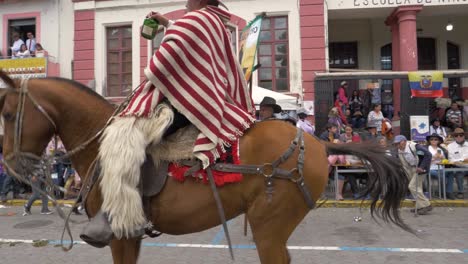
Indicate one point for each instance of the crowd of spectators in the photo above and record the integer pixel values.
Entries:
(25, 48)
(360, 118)
(63, 175)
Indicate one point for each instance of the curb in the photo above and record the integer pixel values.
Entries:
(404, 204)
(320, 203)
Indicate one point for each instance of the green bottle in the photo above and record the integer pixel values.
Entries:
(149, 28)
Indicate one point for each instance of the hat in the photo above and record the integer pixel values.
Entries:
(434, 135)
(458, 130)
(302, 110)
(399, 139)
(343, 83)
(269, 101)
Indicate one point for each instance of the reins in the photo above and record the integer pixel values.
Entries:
(41, 164)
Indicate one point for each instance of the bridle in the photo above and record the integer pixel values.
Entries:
(41, 165)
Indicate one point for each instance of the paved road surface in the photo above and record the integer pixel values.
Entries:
(327, 235)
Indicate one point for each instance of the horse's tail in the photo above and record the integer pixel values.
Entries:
(387, 179)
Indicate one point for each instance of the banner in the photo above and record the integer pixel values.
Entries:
(426, 84)
(248, 45)
(419, 127)
(24, 68)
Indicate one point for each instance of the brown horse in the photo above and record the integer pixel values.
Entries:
(78, 113)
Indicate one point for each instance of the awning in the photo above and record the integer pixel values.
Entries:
(286, 102)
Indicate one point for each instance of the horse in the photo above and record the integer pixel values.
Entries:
(76, 113)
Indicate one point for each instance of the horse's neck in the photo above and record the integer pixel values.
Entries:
(81, 118)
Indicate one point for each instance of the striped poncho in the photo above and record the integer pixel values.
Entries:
(197, 71)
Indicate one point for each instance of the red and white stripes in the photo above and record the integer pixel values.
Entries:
(197, 70)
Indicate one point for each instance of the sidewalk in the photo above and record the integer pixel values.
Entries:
(320, 203)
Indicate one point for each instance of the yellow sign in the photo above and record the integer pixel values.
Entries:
(25, 68)
(249, 43)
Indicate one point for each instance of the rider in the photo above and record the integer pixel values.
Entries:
(196, 71)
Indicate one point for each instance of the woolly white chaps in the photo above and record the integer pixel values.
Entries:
(121, 153)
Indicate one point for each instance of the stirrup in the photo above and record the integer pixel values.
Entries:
(98, 232)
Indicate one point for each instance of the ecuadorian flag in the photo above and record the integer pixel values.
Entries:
(426, 84)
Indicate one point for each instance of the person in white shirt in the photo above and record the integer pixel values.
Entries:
(31, 43)
(23, 53)
(457, 154)
(437, 128)
(434, 142)
(17, 43)
(376, 117)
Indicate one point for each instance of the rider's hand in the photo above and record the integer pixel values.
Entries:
(159, 17)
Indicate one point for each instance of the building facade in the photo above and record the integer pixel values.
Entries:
(98, 43)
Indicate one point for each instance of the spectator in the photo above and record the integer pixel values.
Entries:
(457, 154)
(454, 116)
(407, 153)
(334, 118)
(331, 133)
(17, 43)
(343, 96)
(375, 117)
(37, 186)
(268, 108)
(303, 123)
(31, 43)
(437, 128)
(357, 120)
(23, 53)
(434, 142)
(338, 160)
(341, 113)
(355, 103)
(371, 133)
(367, 100)
(40, 52)
(387, 129)
(349, 136)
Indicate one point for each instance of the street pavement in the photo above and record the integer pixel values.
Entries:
(326, 235)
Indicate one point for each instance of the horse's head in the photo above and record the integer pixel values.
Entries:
(27, 125)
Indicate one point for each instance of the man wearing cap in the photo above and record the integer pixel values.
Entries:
(458, 154)
(303, 123)
(408, 153)
(195, 72)
(268, 108)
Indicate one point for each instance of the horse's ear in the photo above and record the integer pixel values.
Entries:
(7, 80)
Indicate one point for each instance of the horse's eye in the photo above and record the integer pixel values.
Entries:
(8, 116)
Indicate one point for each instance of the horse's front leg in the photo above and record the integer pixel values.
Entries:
(125, 251)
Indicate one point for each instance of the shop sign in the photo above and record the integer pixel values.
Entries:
(350, 4)
(25, 68)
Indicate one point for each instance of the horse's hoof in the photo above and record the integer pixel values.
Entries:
(98, 232)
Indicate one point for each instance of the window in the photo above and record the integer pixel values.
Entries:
(343, 55)
(273, 54)
(20, 27)
(119, 61)
(453, 62)
(426, 54)
(387, 85)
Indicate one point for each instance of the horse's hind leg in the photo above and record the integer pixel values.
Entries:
(271, 232)
(125, 251)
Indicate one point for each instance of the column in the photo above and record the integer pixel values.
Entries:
(404, 50)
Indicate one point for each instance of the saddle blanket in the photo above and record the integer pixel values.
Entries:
(231, 156)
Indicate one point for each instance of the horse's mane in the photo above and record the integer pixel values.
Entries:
(79, 86)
